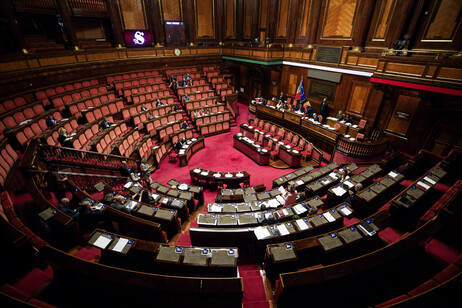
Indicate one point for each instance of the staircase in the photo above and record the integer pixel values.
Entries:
(185, 114)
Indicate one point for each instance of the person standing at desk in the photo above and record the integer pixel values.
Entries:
(282, 97)
(290, 197)
(124, 171)
(324, 110)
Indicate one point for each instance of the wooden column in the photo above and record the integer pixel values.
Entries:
(293, 19)
(65, 13)
(313, 28)
(219, 20)
(254, 10)
(7, 12)
(362, 27)
(155, 21)
(189, 21)
(116, 23)
(272, 19)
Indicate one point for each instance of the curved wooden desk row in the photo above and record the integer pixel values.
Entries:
(318, 281)
(189, 149)
(251, 149)
(204, 177)
(135, 254)
(261, 236)
(227, 195)
(135, 109)
(336, 245)
(61, 100)
(119, 86)
(196, 190)
(70, 273)
(292, 176)
(192, 89)
(202, 102)
(183, 194)
(214, 128)
(259, 212)
(165, 131)
(158, 121)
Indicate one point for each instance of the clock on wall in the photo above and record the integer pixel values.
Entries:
(177, 52)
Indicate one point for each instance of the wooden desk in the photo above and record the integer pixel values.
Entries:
(204, 177)
(249, 148)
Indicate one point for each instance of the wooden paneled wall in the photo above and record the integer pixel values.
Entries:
(133, 14)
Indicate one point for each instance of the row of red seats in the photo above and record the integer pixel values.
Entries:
(145, 147)
(180, 70)
(7, 163)
(106, 109)
(70, 125)
(199, 95)
(213, 117)
(43, 95)
(85, 135)
(16, 117)
(129, 111)
(214, 128)
(104, 144)
(25, 133)
(193, 89)
(142, 93)
(126, 146)
(152, 125)
(120, 85)
(63, 99)
(166, 130)
(111, 79)
(202, 102)
(76, 107)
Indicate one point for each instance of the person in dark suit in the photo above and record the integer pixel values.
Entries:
(282, 97)
(124, 171)
(119, 203)
(64, 207)
(50, 121)
(352, 193)
(184, 125)
(300, 107)
(62, 136)
(187, 77)
(340, 115)
(179, 144)
(105, 124)
(159, 103)
(186, 98)
(324, 110)
(309, 110)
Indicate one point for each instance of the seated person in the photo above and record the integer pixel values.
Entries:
(90, 217)
(145, 168)
(184, 125)
(217, 102)
(146, 197)
(118, 202)
(62, 136)
(196, 114)
(340, 115)
(159, 103)
(180, 144)
(186, 98)
(176, 108)
(104, 124)
(315, 117)
(143, 108)
(124, 171)
(134, 175)
(187, 77)
(64, 207)
(50, 121)
(309, 110)
(347, 118)
(269, 219)
(290, 196)
(282, 97)
(184, 83)
(352, 193)
(279, 104)
(150, 116)
(299, 107)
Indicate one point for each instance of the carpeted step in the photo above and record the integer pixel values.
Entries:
(441, 251)
(249, 273)
(88, 254)
(390, 235)
(256, 304)
(254, 290)
(35, 281)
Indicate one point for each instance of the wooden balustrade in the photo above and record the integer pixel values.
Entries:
(362, 149)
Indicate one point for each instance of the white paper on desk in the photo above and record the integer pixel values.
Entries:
(326, 181)
(354, 126)
(128, 185)
(283, 230)
(261, 233)
(102, 242)
(352, 139)
(299, 209)
(215, 208)
(333, 175)
(329, 217)
(423, 185)
(339, 191)
(183, 187)
(347, 136)
(429, 180)
(120, 244)
(302, 225)
(300, 182)
(204, 173)
(273, 203)
(282, 190)
(348, 183)
(285, 212)
(393, 174)
(181, 152)
(345, 211)
(280, 199)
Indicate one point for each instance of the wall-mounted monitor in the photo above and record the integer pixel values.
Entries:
(138, 38)
(174, 33)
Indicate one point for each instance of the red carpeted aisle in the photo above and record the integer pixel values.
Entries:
(254, 287)
(219, 155)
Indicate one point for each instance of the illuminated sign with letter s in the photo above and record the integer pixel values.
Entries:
(138, 38)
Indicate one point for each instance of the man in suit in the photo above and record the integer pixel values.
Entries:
(324, 110)
(352, 193)
(282, 97)
(104, 124)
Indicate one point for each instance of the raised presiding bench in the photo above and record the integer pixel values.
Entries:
(203, 177)
(214, 128)
(251, 149)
